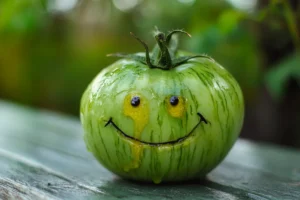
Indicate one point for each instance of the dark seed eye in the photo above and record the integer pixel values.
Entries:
(135, 101)
(174, 100)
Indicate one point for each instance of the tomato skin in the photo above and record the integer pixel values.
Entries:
(155, 140)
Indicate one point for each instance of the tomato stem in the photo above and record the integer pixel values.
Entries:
(164, 58)
(163, 55)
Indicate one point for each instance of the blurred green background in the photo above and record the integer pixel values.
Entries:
(51, 49)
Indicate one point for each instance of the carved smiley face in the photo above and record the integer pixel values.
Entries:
(137, 109)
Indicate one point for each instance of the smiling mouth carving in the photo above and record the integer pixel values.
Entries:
(202, 119)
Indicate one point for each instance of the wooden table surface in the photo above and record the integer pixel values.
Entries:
(43, 156)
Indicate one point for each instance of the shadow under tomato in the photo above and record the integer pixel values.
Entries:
(193, 189)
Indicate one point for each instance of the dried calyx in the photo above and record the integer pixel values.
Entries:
(163, 56)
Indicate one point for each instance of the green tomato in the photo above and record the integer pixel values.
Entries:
(166, 116)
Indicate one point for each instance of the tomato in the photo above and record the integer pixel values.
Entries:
(162, 116)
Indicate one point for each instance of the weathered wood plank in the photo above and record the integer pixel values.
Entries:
(48, 184)
(31, 177)
(43, 154)
(11, 189)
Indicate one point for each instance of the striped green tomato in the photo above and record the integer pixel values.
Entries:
(166, 116)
